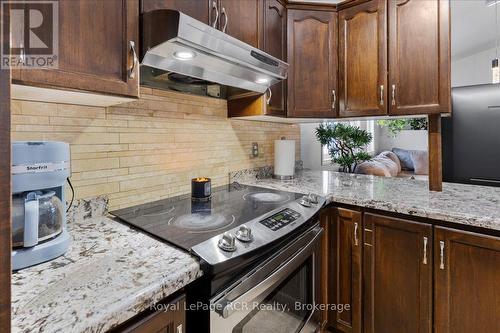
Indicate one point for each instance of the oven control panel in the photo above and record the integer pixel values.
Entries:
(280, 219)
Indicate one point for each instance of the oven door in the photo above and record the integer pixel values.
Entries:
(278, 296)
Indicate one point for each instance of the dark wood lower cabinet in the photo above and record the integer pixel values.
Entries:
(170, 318)
(397, 271)
(467, 282)
(402, 276)
(5, 199)
(345, 259)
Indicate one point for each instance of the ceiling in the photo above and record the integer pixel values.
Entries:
(472, 27)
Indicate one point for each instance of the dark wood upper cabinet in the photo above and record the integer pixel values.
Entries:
(202, 10)
(312, 56)
(275, 44)
(345, 279)
(397, 271)
(95, 52)
(467, 287)
(419, 56)
(363, 60)
(242, 19)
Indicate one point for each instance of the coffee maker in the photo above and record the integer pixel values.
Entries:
(39, 173)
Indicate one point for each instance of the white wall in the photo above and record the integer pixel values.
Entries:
(473, 69)
(473, 39)
(310, 148)
(413, 140)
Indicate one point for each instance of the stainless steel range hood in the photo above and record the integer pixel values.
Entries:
(176, 43)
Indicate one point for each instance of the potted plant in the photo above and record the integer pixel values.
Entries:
(346, 144)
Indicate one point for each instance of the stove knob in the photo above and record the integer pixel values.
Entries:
(244, 234)
(305, 201)
(313, 198)
(227, 242)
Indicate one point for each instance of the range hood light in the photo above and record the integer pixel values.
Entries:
(262, 80)
(184, 55)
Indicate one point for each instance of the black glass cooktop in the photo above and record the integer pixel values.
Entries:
(185, 223)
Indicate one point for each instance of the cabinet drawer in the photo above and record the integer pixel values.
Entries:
(170, 318)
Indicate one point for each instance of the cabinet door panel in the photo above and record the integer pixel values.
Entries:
(172, 320)
(346, 243)
(275, 45)
(397, 270)
(5, 197)
(312, 57)
(243, 19)
(94, 52)
(362, 60)
(467, 287)
(197, 9)
(419, 56)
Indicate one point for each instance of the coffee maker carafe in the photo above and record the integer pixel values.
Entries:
(39, 173)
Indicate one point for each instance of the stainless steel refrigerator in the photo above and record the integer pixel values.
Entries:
(471, 137)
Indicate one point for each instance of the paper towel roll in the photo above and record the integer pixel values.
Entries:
(284, 158)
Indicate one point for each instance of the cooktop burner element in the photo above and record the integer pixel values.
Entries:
(186, 223)
(236, 221)
(267, 197)
(202, 222)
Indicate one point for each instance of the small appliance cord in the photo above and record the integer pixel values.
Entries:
(72, 195)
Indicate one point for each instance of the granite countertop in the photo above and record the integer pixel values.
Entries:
(110, 274)
(472, 205)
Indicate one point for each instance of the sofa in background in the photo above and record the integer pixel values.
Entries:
(397, 163)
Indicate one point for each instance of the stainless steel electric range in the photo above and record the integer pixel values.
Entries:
(257, 249)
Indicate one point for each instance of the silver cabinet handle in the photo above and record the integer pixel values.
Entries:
(227, 19)
(441, 247)
(179, 329)
(355, 234)
(22, 54)
(382, 95)
(393, 94)
(135, 61)
(214, 6)
(334, 96)
(269, 96)
(424, 261)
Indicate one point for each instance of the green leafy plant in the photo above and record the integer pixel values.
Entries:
(395, 126)
(417, 123)
(345, 144)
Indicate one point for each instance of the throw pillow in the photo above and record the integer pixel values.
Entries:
(372, 168)
(405, 158)
(388, 163)
(393, 157)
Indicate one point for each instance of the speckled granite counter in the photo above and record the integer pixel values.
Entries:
(110, 274)
(477, 206)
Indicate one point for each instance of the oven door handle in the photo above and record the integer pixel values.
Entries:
(224, 307)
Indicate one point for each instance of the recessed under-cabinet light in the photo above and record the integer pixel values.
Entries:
(184, 55)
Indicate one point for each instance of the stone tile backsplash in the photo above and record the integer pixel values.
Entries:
(149, 149)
